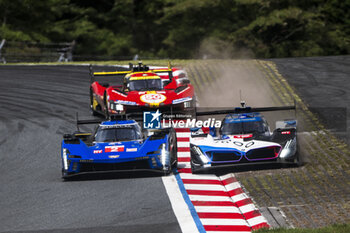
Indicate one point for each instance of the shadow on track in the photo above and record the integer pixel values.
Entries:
(220, 171)
(111, 175)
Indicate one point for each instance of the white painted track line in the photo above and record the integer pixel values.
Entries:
(209, 187)
(179, 206)
(216, 209)
(220, 221)
(209, 198)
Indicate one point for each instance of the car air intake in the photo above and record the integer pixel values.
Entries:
(224, 156)
(88, 167)
(263, 153)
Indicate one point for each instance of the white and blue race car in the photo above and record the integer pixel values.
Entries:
(118, 145)
(244, 139)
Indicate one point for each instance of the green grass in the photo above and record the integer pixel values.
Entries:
(337, 228)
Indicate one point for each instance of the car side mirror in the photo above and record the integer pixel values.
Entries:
(186, 81)
(104, 84)
(165, 83)
(144, 133)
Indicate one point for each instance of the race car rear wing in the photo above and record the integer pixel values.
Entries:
(246, 110)
(112, 117)
(132, 69)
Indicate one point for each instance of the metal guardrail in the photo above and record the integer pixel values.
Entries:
(24, 51)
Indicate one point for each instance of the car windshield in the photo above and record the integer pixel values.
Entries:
(117, 134)
(145, 85)
(243, 127)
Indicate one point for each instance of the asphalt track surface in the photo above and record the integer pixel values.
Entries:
(38, 104)
(324, 84)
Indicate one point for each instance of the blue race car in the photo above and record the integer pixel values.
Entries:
(118, 145)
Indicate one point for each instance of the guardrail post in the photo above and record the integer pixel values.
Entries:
(70, 51)
(2, 59)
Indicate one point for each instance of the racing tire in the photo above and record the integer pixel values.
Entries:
(298, 162)
(193, 169)
(64, 175)
(174, 152)
(93, 112)
(106, 106)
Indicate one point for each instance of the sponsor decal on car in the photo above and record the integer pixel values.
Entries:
(113, 143)
(242, 136)
(131, 149)
(113, 156)
(97, 151)
(114, 149)
(153, 98)
(125, 102)
(178, 101)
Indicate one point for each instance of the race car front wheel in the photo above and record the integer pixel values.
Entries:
(173, 152)
(298, 159)
(64, 175)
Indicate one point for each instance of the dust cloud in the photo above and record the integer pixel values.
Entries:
(233, 71)
(236, 80)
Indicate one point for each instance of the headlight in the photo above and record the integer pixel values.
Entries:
(202, 156)
(289, 149)
(64, 156)
(119, 107)
(187, 104)
(285, 153)
(164, 156)
(116, 106)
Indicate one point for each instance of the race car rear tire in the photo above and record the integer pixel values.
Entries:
(298, 159)
(93, 112)
(106, 106)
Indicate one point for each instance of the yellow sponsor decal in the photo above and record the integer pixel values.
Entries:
(113, 156)
(94, 103)
(82, 134)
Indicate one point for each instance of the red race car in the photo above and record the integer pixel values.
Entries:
(142, 88)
